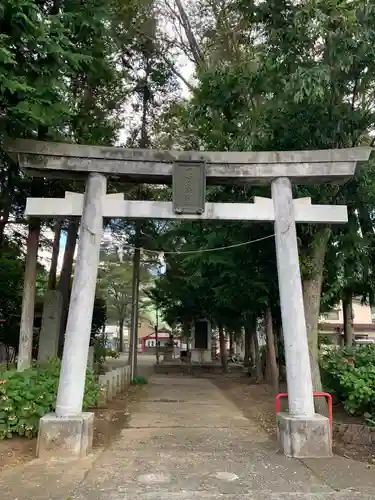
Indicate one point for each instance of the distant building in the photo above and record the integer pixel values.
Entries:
(331, 324)
(146, 336)
(148, 343)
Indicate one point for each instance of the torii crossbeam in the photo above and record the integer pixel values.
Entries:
(114, 206)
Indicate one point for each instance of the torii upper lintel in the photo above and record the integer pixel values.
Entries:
(155, 166)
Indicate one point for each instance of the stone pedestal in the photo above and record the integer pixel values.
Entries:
(308, 437)
(65, 438)
(201, 356)
(50, 329)
(168, 354)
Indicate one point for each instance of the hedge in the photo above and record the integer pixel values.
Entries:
(349, 374)
(26, 396)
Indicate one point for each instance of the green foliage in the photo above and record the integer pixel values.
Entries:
(305, 63)
(101, 352)
(26, 396)
(11, 276)
(100, 349)
(99, 316)
(35, 52)
(325, 340)
(41, 281)
(139, 380)
(115, 286)
(349, 373)
(110, 353)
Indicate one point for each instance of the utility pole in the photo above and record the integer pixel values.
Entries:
(135, 304)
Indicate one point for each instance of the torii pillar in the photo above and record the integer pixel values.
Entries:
(301, 432)
(70, 429)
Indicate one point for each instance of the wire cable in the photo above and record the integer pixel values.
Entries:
(201, 250)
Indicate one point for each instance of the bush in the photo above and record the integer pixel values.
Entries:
(139, 380)
(26, 396)
(349, 373)
(110, 353)
(101, 352)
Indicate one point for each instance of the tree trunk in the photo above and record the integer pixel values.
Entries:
(271, 351)
(348, 319)
(55, 257)
(312, 287)
(253, 353)
(7, 195)
(192, 42)
(157, 343)
(258, 359)
(367, 228)
(28, 302)
(223, 350)
(231, 344)
(186, 333)
(121, 335)
(247, 356)
(66, 275)
(130, 342)
(135, 303)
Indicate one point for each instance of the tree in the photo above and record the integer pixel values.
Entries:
(294, 66)
(61, 78)
(115, 286)
(11, 272)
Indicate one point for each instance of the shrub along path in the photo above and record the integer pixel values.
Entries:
(29, 395)
(108, 422)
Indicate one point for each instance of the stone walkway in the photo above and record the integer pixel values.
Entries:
(186, 441)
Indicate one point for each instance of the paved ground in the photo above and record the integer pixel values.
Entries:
(186, 441)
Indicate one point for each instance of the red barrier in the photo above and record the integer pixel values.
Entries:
(316, 395)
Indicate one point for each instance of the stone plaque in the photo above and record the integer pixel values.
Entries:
(201, 335)
(189, 187)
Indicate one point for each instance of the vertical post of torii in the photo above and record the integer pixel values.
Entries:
(300, 389)
(69, 419)
(78, 328)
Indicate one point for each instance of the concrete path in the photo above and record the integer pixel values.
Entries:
(186, 441)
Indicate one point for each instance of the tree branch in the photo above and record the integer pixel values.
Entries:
(194, 47)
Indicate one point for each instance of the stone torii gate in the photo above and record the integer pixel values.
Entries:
(301, 431)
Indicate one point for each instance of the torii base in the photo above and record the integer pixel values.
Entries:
(66, 438)
(304, 437)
